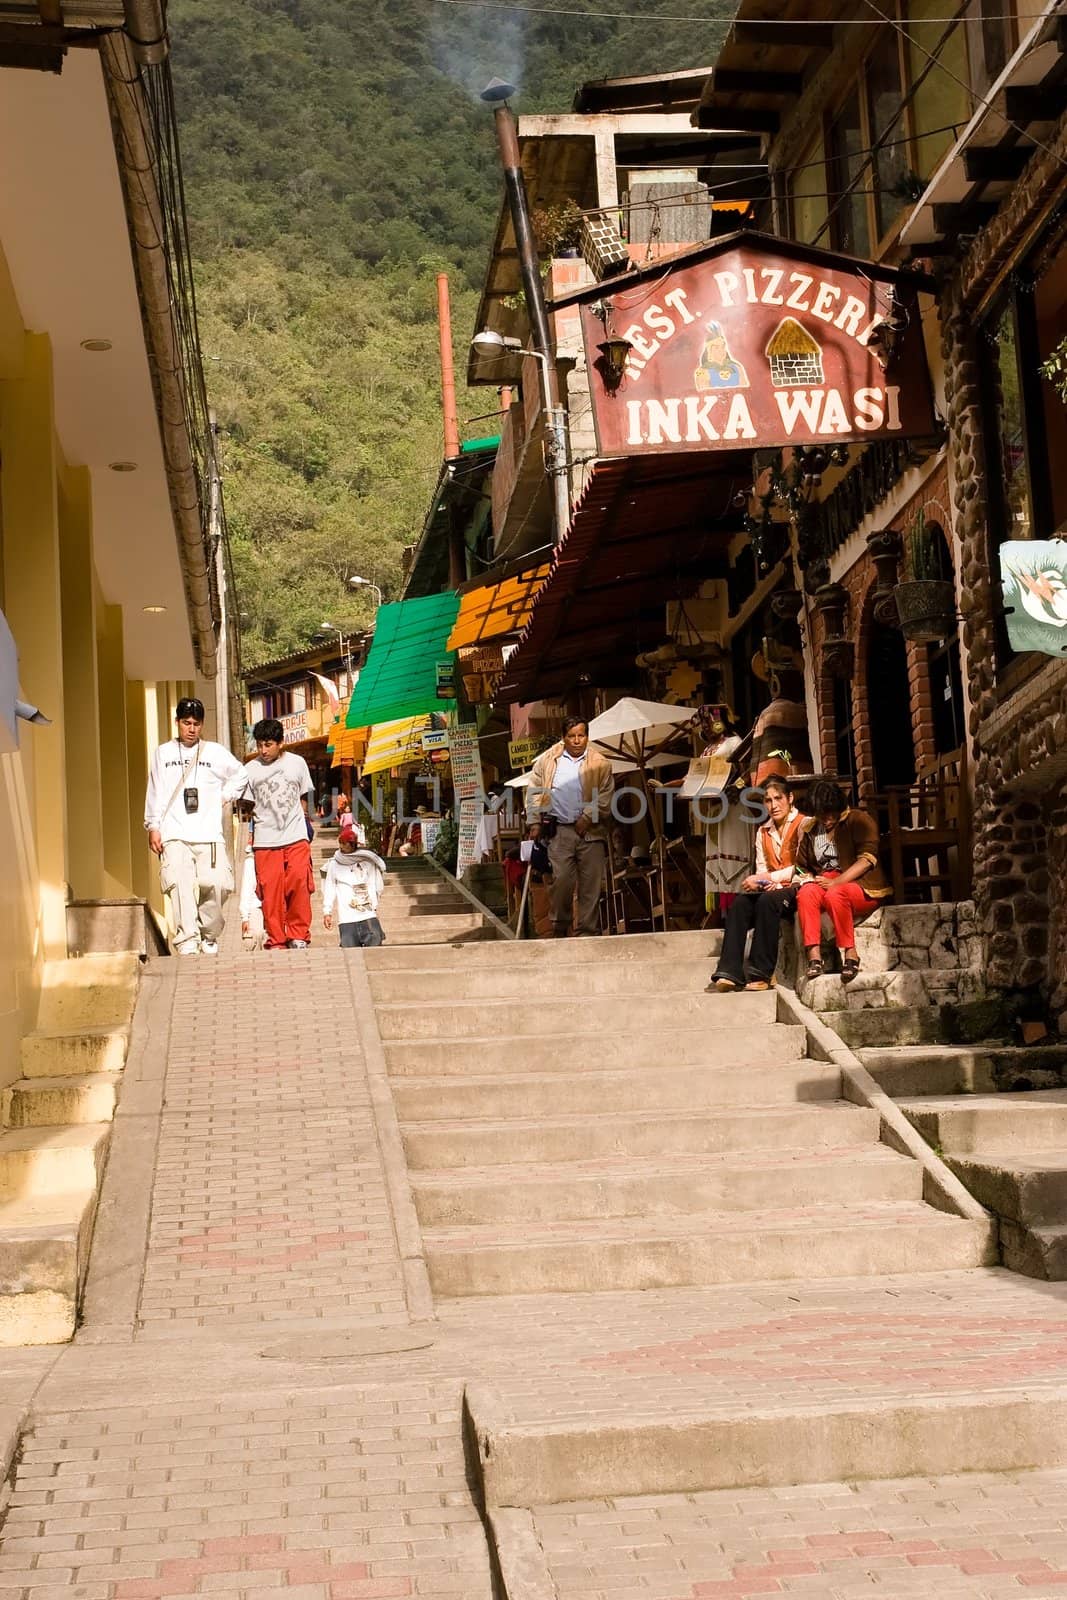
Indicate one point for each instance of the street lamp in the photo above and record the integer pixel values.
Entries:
(346, 653)
(490, 343)
(365, 583)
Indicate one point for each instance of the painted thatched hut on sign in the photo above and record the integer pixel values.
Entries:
(794, 356)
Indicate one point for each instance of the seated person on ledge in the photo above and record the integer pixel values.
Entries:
(767, 895)
(838, 847)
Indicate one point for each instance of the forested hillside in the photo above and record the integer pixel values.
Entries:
(336, 158)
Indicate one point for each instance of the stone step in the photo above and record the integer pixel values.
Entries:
(669, 1088)
(997, 1123)
(886, 1025)
(833, 1125)
(671, 1186)
(532, 955)
(516, 982)
(1038, 1252)
(50, 1161)
(44, 1246)
(937, 1069)
(399, 908)
(623, 1014)
(66, 1055)
(58, 1102)
(758, 1246)
(1028, 1187)
(444, 927)
(88, 992)
(562, 1454)
(946, 1069)
(469, 930)
(399, 887)
(674, 1047)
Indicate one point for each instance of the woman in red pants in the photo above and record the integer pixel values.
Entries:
(838, 855)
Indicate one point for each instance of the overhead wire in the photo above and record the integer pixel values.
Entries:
(660, 17)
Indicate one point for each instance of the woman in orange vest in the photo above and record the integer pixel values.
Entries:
(767, 895)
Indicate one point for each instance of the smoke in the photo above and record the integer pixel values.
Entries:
(470, 46)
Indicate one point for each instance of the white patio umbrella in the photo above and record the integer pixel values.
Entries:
(638, 732)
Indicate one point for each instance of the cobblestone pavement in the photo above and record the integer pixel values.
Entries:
(241, 1422)
(979, 1537)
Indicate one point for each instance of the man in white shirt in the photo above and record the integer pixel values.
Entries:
(183, 816)
(279, 786)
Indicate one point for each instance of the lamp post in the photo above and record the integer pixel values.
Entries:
(497, 94)
(346, 653)
(365, 583)
(491, 342)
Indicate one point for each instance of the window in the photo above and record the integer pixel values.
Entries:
(990, 29)
(848, 182)
(887, 130)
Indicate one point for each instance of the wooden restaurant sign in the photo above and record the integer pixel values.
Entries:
(758, 343)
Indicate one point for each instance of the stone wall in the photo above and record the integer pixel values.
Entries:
(1018, 728)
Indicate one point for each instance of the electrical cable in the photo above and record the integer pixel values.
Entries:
(643, 16)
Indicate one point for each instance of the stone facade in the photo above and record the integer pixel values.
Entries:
(1018, 719)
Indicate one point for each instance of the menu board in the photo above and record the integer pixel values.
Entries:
(468, 820)
(466, 761)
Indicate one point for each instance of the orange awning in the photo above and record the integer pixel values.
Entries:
(497, 608)
(349, 746)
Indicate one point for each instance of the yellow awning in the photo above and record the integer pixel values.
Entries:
(391, 744)
(497, 608)
(349, 745)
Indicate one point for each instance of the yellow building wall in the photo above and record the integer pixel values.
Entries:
(939, 99)
(72, 795)
(807, 189)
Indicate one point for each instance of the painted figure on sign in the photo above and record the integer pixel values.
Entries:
(1034, 576)
(718, 369)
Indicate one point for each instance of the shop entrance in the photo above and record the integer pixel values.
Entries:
(889, 708)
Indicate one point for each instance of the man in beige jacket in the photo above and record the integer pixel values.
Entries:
(570, 793)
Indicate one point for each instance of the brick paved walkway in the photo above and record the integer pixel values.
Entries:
(227, 1427)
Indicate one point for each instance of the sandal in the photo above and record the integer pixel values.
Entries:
(815, 968)
(849, 969)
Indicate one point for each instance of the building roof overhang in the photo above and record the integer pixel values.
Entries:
(765, 63)
(647, 530)
(980, 171)
(559, 162)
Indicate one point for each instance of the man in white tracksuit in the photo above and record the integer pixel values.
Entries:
(183, 816)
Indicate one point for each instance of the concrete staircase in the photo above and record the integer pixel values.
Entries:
(579, 1116)
(1011, 1152)
(55, 1124)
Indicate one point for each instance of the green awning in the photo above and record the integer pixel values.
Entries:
(406, 661)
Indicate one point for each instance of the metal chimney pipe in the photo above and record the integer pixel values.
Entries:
(146, 29)
(448, 376)
(556, 448)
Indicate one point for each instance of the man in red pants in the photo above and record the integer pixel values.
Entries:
(279, 785)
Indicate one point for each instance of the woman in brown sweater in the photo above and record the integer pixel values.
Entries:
(838, 849)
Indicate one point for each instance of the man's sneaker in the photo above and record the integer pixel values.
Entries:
(208, 947)
(188, 950)
(298, 944)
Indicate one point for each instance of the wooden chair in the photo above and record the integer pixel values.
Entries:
(926, 834)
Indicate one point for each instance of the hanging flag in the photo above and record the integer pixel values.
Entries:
(1034, 575)
(333, 694)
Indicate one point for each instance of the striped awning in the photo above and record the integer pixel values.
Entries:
(410, 655)
(391, 744)
(349, 746)
(497, 607)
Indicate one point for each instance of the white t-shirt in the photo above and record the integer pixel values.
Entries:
(206, 767)
(276, 788)
(353, 886)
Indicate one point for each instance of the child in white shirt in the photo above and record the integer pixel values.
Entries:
(354, 880)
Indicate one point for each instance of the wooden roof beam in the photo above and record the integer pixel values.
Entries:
(967, 217)
(1039, 102)
(996, 163)
(797, 35)
(739, 119)
(738, 80)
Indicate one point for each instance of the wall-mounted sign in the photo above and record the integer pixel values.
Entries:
(446, 680)
(758, 345)
(524, 752)
(1034, 575)
(435, 739)
(294, 727)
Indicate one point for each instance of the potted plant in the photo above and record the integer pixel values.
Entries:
(558, 228)
(926, 603)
